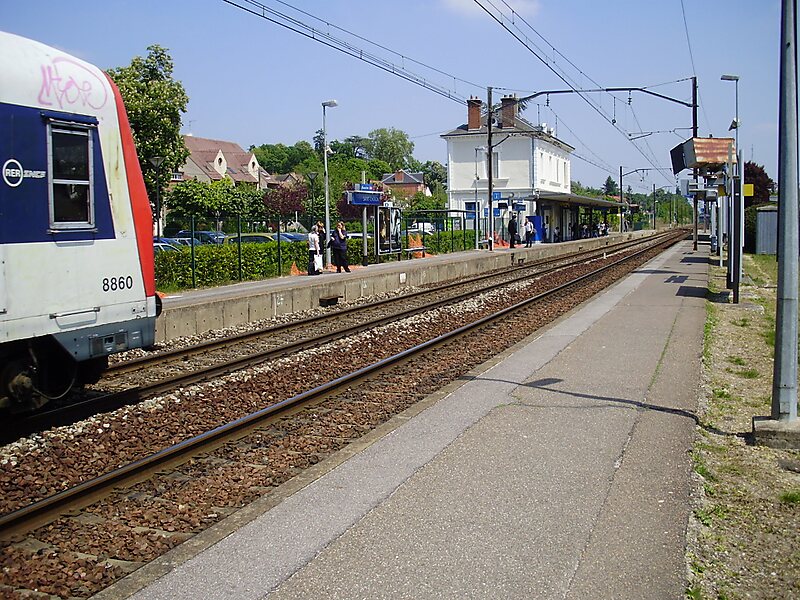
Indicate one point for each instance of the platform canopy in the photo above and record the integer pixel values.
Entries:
(580, 200)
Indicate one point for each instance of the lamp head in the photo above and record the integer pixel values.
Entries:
(730, 78)
(330, 103)
(735, 124)
(156, 161)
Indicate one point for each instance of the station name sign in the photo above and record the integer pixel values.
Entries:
(364, 194)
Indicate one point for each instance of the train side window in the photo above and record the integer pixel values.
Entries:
(71, 174)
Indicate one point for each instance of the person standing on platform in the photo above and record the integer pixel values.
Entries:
(528, 233)
(556, 235)
(339, 247)
(512, 230)
(314, 253)
(323, 235)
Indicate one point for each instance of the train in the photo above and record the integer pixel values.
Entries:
(77, 280)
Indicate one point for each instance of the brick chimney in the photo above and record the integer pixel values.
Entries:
(508, 110)
(474, 113)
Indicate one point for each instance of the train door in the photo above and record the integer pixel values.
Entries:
(3, 297)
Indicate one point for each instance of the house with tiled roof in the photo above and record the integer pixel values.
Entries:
(211, 160)
(404, 183)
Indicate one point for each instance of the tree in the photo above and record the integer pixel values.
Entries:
(391, 145)
(278, 158)
(434, 174)
(201, 199)
(763, 185)
(247, 201)
(271, 157)
(285, 200)
(578, 188)
(154, 102)
(610, 187)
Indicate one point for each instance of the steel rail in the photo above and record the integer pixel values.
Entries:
(218, 344)
(14, 429)
(47, 509)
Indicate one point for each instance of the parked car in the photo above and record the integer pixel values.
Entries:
(205, 237)
(185, 241)
(291, 236)
(162, 247)
(166, 240)
(250, 238)
(357, 235)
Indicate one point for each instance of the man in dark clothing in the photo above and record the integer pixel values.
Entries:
(512, 230)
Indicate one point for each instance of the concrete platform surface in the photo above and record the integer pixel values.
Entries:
(560, 471)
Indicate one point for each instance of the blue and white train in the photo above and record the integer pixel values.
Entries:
(76, 233)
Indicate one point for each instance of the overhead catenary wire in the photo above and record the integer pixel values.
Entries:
(537, 52)
(317, 34)
(296, 25)
(691, 59)
(376, 44)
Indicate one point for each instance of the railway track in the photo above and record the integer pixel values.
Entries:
(250, 455)
(164, 371)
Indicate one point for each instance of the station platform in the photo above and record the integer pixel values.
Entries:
(560, 469)
(197, 311)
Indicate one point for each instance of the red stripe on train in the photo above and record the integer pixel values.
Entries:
(142, 214)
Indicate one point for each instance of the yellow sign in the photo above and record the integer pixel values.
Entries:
(748, 189)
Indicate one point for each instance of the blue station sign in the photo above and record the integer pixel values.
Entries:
(364, 198)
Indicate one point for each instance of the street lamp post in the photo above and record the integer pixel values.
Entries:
(157, 160)
(312, 177)
(326, 104)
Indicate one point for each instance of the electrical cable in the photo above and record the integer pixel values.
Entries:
(691, 58)
(345, 47)
(561, 76)
(357, 36)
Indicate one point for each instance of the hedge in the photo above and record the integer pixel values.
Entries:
(218, 264)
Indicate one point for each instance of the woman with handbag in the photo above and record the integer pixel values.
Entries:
(314, 253)
(339, 247)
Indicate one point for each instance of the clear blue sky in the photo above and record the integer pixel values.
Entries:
(254, 82)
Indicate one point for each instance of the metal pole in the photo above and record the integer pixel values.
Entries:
(194, 265)
(694, 134)
(737, 255)
(364, 247)
(730, 208)
(477, 213)
(784, 380)
(620, 199)
(327, 191)
(720, 225)
(239, 242)
(312, 177)
(158, 199)
(280, 258)
(489, 166)
(654, 207)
